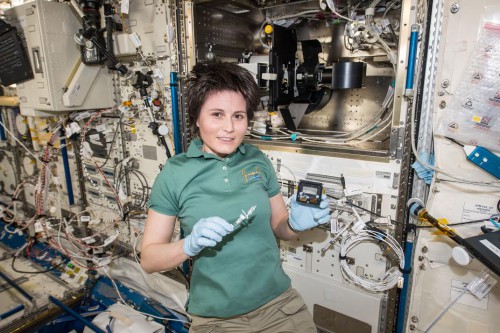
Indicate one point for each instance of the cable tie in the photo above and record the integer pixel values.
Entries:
(405, 271)
(410, 227)
(342, 257)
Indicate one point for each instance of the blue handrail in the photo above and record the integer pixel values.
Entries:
(10, 312)
(412, 55)
(75, 314)
(404, 291)
(16, 286)
(67, 172)
(174, 87)
(2, 131)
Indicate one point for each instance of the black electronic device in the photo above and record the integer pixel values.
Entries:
(307, 87)
(15, 66)
(92, 49)
(487, 247)
(309, 193)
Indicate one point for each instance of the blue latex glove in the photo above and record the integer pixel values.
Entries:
(422, 171)
(207, 232)
(303, 217)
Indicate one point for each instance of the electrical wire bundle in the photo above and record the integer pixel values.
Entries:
(42, 184)
(121, 171)
(377, 125)
(87, 156)
(391, 277)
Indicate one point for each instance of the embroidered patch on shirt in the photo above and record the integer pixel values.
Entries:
(251, 176)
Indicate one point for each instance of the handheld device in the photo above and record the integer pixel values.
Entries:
(309, 193)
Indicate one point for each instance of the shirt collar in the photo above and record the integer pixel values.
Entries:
(194, 150)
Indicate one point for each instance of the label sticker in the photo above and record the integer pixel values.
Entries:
(457, 288)
(491, 246)
(476, 119)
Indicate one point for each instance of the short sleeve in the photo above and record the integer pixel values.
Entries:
(273, 186)
(163, 198)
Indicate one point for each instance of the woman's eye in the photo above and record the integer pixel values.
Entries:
(217, 114)
(239, 116)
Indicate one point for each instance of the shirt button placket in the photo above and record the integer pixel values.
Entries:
(226, 177)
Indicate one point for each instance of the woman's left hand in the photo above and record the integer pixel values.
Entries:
(303, 217)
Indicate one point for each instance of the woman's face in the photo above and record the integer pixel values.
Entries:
(222, 122)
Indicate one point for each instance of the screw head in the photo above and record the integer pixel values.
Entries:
(442, 105)
(455, 8)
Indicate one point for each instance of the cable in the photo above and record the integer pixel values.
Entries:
(136, 257)
(455, 224)
(382, 129)
(332, 8)
(84, 240)
(144, 185)
(25, 148)
(391, 277)
(375, 123)
(112, 143)
(388, 8)
(36, 272)
(306, 12)
(82, 154)
(362, 208)
(40, 190)
(378, 117)
(279, 165)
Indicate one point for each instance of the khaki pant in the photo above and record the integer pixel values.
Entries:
(286, 313)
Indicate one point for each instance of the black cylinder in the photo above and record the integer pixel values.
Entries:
(347, 75)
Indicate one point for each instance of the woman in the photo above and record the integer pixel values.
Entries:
(237, 283)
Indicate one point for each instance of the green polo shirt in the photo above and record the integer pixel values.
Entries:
(243, 272)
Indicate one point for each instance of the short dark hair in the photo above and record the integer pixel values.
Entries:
(207, 78)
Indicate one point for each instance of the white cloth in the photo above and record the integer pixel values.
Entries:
(121, 318)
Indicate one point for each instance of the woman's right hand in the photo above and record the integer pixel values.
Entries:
(207, 232)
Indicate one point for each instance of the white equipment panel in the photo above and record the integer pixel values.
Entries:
(49, 29)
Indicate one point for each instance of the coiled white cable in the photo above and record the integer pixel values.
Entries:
(391, 277)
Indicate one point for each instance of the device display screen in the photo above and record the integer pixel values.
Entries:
(310, 190)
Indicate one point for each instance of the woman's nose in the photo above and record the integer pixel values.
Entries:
(228, 125)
